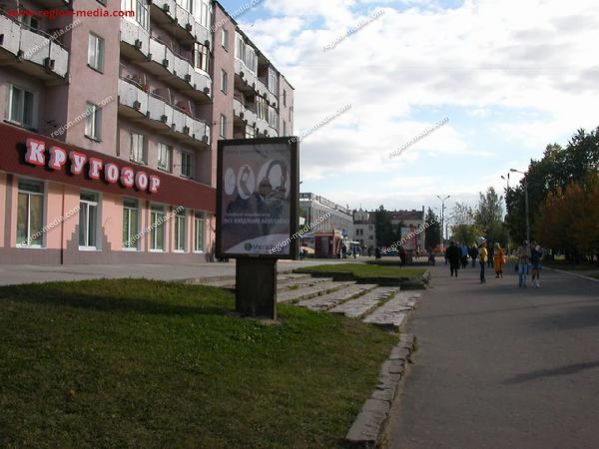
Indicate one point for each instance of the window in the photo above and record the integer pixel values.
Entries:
(21, 107)
(157, 225)
(261, 108)
(95, 52)
(141, 11)
(186, 164)
(30, 22)
(164, 157)
(88, 220)
(203, 13)
(138, 148)
(246, 53)
(198, 226)
(224, 81)
(284, 128)
(93, 121)
(273, 118)
(30, 213)
(250, 132)
(284, 98)
(130, 224)
(223, 126)
(273, 81)
(201, 57)
(180, 229)
(224, 39)
(185, 4)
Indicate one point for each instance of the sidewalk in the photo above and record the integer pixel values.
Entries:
(23, 274)
(500, 367)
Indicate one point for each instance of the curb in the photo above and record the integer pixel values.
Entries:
(370, 423)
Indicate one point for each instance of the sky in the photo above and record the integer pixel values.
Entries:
(486, 84)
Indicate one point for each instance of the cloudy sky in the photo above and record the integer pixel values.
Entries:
(498, 79)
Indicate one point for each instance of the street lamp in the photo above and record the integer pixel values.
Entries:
(443, 217)
(513, 170)
(507, 179)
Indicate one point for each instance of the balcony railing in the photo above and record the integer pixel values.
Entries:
(35, 46)
(136, 36)
(244, 113)
(254, 82)
(184, 20)
(159, 111)
(180, 67)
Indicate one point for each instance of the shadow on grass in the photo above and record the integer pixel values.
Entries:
(53, 295)
(561, 371)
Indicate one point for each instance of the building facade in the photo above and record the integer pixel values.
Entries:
(365, 229)
(325, 215)
(110, 127)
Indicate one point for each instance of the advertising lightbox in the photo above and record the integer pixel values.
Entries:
(257, 198)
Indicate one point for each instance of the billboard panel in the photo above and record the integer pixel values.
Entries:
(258, 194)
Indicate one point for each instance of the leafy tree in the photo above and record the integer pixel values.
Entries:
(432, 233)
(488, 216)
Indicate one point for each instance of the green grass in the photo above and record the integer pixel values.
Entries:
(365, 270)
(569, 266)
(143, 364)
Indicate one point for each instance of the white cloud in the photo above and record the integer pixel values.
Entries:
(485, 56)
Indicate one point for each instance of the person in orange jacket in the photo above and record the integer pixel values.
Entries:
(499, 260)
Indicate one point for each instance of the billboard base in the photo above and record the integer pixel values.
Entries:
(256, 287)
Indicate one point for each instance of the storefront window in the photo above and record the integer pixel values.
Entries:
(157, 234)
(88, 220)
(180, 230)
(199, 221)
(130, 224)
(30, 213)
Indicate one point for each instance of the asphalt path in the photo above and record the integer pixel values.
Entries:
(502, 367)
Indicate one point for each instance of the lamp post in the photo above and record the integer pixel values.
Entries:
(507, 180)
(443, 218)
(513, 170)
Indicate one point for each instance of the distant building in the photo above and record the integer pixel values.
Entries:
(413, 228)
(325, 215)
(364, 229)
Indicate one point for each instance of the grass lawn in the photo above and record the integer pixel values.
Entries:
(366, 270)
(141, 364)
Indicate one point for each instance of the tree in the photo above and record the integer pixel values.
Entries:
(432, 233)
(488, 216)
(558, 169)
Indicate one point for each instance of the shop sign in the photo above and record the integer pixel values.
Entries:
(96, 168)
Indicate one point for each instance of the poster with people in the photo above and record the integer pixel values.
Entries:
(257, 198)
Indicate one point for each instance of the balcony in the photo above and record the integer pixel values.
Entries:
(135, 40)
(180, 22)
(250, 82)
(178, 72)
(155, 112)
(248, 116)
(32, 51)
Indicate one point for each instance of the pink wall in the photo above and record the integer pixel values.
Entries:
(2, 206)
(89, 85)
(222, 60)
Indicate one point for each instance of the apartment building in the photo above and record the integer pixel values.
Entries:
(110, 127)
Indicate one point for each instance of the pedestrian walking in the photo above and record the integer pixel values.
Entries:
(491, 255)
(483, 254)
(464, 255)
(536, 255)
(473, 255)
(452, 254)
(431, 257)
(498, 260)
(523, 255)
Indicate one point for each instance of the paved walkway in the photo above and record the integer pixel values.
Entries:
(22, 274)
(499, 367)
